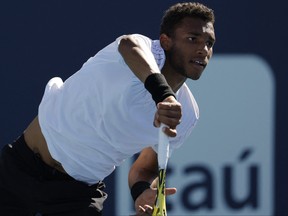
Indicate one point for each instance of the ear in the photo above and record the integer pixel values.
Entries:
(165, 41)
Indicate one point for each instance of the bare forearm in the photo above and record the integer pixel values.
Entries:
(144, 168)
(141, 175)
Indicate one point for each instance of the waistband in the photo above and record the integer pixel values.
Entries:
(33, 163)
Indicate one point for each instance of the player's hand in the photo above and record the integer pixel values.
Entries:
(169, 112)
(145, 202)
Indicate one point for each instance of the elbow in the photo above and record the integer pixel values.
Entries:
(126, 44)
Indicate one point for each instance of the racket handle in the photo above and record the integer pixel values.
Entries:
(163, 148)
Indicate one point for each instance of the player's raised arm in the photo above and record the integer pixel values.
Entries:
(138, 56)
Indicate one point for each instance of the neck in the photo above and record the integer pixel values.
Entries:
(174, 79)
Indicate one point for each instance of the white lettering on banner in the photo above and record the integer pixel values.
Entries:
(226, 166)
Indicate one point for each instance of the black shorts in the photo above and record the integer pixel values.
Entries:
(29, 186)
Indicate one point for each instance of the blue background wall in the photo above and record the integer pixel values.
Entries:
(42, 39)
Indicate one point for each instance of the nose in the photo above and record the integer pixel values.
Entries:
(202, 49)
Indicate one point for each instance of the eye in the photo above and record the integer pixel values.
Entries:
(192, 39)
(210, 43)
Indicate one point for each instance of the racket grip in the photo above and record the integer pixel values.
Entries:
(163, 148)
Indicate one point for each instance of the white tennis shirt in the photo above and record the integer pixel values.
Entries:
(103, 114)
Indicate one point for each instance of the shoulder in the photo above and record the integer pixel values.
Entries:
(138, 37)
(158, 53)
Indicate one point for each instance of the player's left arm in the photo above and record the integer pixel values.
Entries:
(145, 169)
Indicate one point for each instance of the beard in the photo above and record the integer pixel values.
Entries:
(179, 63)
(176, 62)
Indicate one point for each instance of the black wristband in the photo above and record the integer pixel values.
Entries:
(158, 87)
(138, 188)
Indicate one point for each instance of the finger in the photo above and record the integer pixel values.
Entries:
(170, 113)
(169, 106)
(172, 123)
(144, 210)
(170, 132)
(170, 191)
(148, 209)
(141, 209)
(169, 117)
(154, 184)
(173, 114)
(156, 122)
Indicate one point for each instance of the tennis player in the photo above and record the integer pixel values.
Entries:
(106, 112)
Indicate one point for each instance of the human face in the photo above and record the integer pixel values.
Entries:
(190, 48)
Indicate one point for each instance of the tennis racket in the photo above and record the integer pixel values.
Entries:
(163, 155)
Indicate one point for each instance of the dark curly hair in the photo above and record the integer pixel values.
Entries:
(174, 15)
